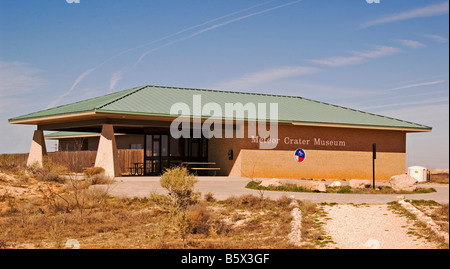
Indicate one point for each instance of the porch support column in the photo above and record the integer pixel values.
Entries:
(107, 154)
(37, 149)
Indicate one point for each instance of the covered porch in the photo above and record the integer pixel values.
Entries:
(160, 150)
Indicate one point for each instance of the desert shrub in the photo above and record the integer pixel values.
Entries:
(197, 217)
(160, 199)
(52, 166)
(244, 201)
(77, 199)
(250, 200)
(307, 207)
(94, 198)
(12, 163)
(49, 171)
(218, 226)
(345, 189)
(443, 210)
(284, 201)
(255, 185)
(73, 184)
(96, 175)
(92, 171)
(182, 224)
(209, 197)
(180, 186)
(100, 179)
(232, 201)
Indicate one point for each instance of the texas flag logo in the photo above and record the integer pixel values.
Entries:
(299, 155)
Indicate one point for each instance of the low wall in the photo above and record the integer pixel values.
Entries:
(76, 161)
(318, 164)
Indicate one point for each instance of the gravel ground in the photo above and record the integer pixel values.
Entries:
(370, 227)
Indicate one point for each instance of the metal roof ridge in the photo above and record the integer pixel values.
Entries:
(120, 97)
(293, 96)
(222, 91)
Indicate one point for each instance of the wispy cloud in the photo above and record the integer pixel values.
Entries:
(17, 81)
(250, 80)
(422, 12)
(18, 77)
(191, 28)
(428, 114)
(419, 102)
(357, 57)
(437, 38)
(114, 79)
(417, 85)
(411, 43)
(58, 99)
(215, 27)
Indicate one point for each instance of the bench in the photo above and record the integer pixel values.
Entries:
(200, 166)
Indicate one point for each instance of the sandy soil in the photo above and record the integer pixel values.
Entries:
(371, 227)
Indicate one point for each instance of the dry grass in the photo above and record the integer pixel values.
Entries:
(57, 212)
(438, 212)
(12, 163)
(342, 189)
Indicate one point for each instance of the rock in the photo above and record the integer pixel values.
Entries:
(335, 184)
(403, 183)
(360, 183)
(400, 198)
(274, 182)
(313, 186)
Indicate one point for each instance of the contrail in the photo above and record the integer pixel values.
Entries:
(114, 81)
(417, 85)
(211, 28)
(193, 27)
(77, 81)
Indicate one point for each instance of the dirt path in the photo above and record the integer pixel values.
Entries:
(370, 227)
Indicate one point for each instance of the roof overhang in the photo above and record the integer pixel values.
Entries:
(388, 128)
(66, 119)
(75, 136)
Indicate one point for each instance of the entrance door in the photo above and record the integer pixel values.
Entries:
(156, 157)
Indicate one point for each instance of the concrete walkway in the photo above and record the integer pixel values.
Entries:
(371, 227)
(224, 187)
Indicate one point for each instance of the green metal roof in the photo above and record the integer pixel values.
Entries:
(158, 100)
(60, 134)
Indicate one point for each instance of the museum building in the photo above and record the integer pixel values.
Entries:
(242, 134)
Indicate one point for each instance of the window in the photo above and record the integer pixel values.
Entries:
(135, 146)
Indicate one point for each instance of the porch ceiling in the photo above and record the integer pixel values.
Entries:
(94, 123)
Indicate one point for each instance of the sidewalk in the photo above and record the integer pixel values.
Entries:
(371, 227)
(224, 187)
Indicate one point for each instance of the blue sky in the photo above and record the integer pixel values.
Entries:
(389, 58)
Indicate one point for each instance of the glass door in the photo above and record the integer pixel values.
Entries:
(156, 154)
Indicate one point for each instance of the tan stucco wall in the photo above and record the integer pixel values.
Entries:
(319, 164)
(352, 159)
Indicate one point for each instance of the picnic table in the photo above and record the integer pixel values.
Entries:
(137, 169)
(201, 166)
